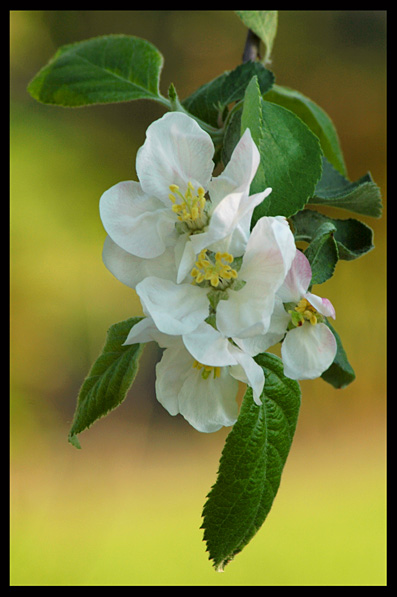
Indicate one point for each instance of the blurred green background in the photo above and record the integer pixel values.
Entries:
(126, 509)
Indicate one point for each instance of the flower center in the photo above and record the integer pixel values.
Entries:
(218, 273)
(191, 209)
(304, 311)
(207, 370)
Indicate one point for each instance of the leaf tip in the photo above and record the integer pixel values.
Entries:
(74, 441)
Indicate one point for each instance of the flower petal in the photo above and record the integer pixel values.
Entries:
(249, 372)
(130, 270)
(175, 308)
(322, 305)
(297, 280)
(176, 151)
(137, 222)
(308, 351)
(209, 347)
(208, 404)
(239, 171)
(171, 372)
(269, 253)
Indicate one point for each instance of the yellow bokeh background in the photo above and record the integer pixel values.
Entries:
(126, 509)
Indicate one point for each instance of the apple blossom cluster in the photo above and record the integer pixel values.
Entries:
(214, 292)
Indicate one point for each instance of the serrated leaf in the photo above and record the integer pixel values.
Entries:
(110, 378)
(316, 119)
(209, 101)
(251, 465)
(264, 24)
(362, 196)
(290, 162)
(112, 68)
(322, 253)
(353, 238)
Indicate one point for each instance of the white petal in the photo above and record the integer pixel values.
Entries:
(268, 256)
(130, 270)
(239, 172)
(297, 280)
(171, 372)
(278, 326)
(146, 331)
(175, 308)
(176, 151)
(253, 373)
(209, 347)
(308, 351)
(137, 222)
(322, 305)
(209, 404)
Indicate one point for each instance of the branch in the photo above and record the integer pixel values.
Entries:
(251, 49)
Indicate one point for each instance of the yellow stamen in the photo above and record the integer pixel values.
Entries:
(207, 370)
(215, 273)
(308, 312)
(191, 209)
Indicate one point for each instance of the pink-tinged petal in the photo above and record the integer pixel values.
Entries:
(208, 404)
(308, 351)
(297, 280)
(130, 270)
(176, 151)
(138, 223)
(239, 171)
(322, 305)
(209, 347)
(176, 309)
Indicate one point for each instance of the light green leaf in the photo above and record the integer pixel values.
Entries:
(110, 378)
(316, 119)
(333, 189)
(112, 68)
(264, 24)
(290, 157)
(251, 465)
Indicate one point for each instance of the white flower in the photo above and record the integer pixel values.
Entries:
(309, 346)
(197, 375)
(176, 209)
(240, 298)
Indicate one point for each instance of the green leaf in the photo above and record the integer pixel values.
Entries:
(110, 377)
(112, 68)
(340, 374)
(362, 196)
(353, 238)
(251, 464)
(290, 156)
(322, 253)
(316, 119)
(209, 101)
(264, 24)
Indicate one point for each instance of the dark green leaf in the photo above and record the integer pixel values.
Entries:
(353, 238)
(112, 68)
(251, 465)
(209, 101)
(110, 378)
(316, 119)
(362, 197)
(340, 374)
(322, 253)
